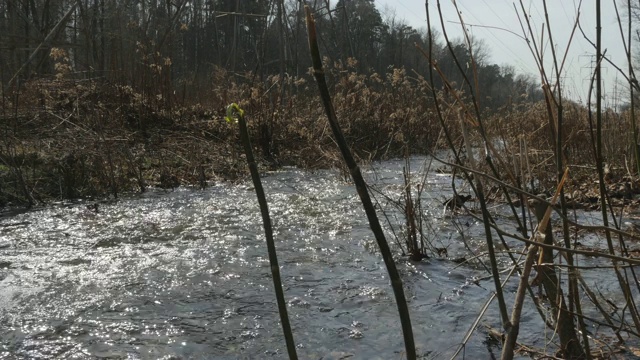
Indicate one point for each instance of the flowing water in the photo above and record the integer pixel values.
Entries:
(185, 274)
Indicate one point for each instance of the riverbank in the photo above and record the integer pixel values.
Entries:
(71, 139)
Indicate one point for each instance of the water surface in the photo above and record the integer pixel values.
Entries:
(185, 274)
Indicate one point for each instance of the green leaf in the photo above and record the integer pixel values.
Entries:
(233, 112)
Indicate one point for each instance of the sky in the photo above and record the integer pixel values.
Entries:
(506, 48)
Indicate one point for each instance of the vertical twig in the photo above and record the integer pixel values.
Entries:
(633, 82)
(568, 338)
(600, 166)
(361, 187)
(479, 185)
(268, 231)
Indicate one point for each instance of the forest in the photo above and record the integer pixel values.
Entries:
(130, 42)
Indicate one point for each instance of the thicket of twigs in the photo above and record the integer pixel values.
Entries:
(545, 160)
(524, 151)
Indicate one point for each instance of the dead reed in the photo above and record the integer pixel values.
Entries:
(550, 138)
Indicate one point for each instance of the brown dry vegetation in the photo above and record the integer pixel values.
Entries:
(66, 138)
(528, 149)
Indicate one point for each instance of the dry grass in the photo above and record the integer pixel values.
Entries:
(68, 138)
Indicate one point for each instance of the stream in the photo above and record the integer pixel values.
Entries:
(184, 274)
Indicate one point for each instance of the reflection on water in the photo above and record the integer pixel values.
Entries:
(185, 274)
